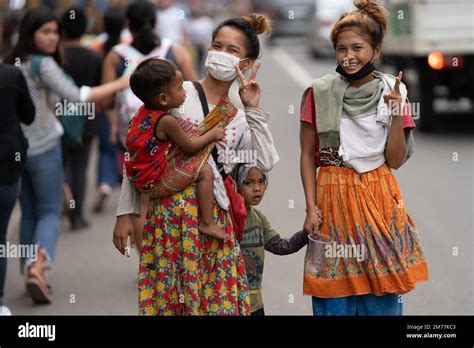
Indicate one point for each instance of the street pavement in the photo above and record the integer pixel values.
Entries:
(91, 277)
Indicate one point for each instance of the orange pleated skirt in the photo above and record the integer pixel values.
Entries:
(364, 212)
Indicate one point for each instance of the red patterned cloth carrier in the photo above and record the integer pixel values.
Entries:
(159, 168)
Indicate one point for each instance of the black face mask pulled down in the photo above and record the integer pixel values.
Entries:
(366, 70)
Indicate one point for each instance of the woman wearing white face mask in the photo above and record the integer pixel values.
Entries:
(176, 261)
(222, 66)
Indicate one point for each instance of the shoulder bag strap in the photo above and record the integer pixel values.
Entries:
(205, 110)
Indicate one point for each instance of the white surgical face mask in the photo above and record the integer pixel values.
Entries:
(221, 65)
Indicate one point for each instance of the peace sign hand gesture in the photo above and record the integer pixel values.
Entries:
(394, 99)
(249, 89)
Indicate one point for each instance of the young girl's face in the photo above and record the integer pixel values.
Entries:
(353, 51)
(253, 187)
(47, 37)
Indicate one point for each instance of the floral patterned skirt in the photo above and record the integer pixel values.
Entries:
(185, 272)
(363, 212)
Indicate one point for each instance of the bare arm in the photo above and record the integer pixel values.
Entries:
(171, 128)
(108, 90)
(54, 79)
(395, 148)
(307, 164)
(308, 177)
(113, 125)
(109, 74)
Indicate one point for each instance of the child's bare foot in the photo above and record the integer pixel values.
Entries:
(213, 230)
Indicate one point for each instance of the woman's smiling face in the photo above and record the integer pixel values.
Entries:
(232, 41)
(353, 51)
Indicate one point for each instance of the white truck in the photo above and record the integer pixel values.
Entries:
(432, 41)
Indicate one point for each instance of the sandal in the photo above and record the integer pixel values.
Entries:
(40, 292)
(36, 285)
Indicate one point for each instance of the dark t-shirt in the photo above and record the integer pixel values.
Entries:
(85, 68)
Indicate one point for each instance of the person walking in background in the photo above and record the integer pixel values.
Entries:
(84, 66)
(171, 22)
(39, 57)
(123, 58)
(17, 107)
(114, 31)
(200, 30)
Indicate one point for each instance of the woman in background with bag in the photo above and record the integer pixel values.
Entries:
(183, 272)
(42, 180)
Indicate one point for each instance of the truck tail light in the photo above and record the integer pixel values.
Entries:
(439, 61)
(436, 60)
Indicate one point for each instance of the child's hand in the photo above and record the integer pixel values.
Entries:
(218, 133)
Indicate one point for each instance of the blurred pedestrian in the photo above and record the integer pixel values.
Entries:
(171, 22)
(356, 138)
(85, 67)
(38, 54)
(123, 58)
(114, 26)
(114, 31)
(200, 31)
(17, 107)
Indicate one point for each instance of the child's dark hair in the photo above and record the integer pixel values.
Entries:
(370, 19)
(251, 26)
(74, 23)
(150, 78)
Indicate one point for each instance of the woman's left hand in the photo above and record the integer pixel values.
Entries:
(249, 89)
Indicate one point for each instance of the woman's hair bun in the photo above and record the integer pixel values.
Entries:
(259, 23)
(375, 11)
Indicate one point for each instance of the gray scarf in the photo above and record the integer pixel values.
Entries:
(332, 94)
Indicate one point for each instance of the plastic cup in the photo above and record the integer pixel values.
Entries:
(316, 258)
